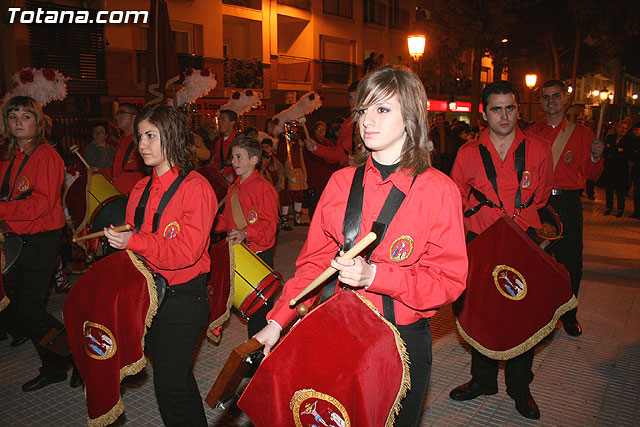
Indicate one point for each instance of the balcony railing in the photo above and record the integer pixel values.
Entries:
(338, 72)
(375, 12)
(294, 69)
(300, 4)
(251, 4)
(398, 19)
(243, 73)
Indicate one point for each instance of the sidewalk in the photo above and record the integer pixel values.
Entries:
(593, 380)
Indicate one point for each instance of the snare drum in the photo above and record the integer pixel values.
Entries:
(11, 249)
(97, 203)
(255, 281)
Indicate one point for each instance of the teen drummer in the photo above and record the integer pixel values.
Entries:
(30, 206)
(176, 247)
(251, 214)
(421, 263)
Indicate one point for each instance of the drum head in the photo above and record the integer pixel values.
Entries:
(111, 212)
(259, 296)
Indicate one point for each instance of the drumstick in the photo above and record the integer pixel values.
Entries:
(119, 228)
(350, 254)
(74, 149)
(221, 202)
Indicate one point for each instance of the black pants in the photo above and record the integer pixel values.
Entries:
(30, 278)
(621, 193)
(171, 341)
(258, 320)
(568, 249)
(417, 337)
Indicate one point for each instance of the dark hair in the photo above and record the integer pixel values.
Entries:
(102, 123)
(353, 86)
(250, 129)
(555, 82)
(174, 134)
(501, 87)
(133, 108)
(252, 146)
(319, 123)
(231, 115)
(381, 85)
(29, 105)
(267, 141)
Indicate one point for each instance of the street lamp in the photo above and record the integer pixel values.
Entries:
(604, 94)
(416, 44)
(530, 80)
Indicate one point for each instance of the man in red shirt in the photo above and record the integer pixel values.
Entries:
(577, 157)
(221, 150)
(502, 141)
(128, 167)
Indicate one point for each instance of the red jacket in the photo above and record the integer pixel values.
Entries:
(179, 249)
(468, 171)
(226, 150)
(259, 201)
(575, 165)
(422, 260)
(318, 169)
(43, 175)
(134, 168)
(344, 146)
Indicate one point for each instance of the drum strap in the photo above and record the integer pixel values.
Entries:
(492, 176)
(5, 194)
(126, 156)
(351, 230)
(142, 204)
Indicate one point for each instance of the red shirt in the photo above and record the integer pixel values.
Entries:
(343, 148)
(468, 171)
(225, 143)
(179, 249)
(426, 232)
(43, 174)
(575, 165)
(318, 169)
(259, 201)
(125, 178)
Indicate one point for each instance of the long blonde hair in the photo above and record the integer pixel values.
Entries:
(381, 85)
(29, 105)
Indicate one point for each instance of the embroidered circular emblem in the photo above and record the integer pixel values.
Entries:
(99, 342)
(312, 408)
(171, 230)
(401, 248)
(510, 282)
(526, 179)
(23, 184)
(568, 156)
(252, 216)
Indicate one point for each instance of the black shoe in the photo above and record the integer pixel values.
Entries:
(607, 211)
(3, 336)
(527, 406)
(76, 379)
(471, 390)
(18, 341)
(572, 328)
(40, 381)
(619, 214)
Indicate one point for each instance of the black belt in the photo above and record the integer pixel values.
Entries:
(559, 192)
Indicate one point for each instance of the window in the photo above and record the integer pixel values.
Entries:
(342, 8)
(375, 12)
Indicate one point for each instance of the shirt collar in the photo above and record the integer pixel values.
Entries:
(401, 179)
(486, 140)
(167, 178)
(250, 178)
(562, 124)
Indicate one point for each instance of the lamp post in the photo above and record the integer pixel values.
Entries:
(416, 44)
(530, 80)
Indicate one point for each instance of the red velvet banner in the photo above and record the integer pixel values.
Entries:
(106, 315)
(343, 364)
(219, 287)
(515, 292)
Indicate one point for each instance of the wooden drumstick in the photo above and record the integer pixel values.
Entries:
(350, 254)
(74, 149)
(119, 228)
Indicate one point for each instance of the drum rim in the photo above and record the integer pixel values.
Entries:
(270, 288)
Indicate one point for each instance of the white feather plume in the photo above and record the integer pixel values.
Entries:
(197, 83)
(309, 102)
(240, 103)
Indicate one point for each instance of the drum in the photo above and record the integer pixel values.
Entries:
(551, 229)
(217, 181)
(99, 205)
(11, 249)
(255, 281)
